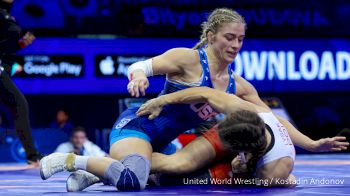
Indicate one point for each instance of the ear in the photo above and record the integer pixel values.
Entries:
(211, 37)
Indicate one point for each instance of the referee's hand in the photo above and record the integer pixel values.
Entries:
(26, 40)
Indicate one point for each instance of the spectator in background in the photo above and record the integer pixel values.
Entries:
(62, 121)
(80, 145)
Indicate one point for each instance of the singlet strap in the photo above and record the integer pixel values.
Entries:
(205, 66)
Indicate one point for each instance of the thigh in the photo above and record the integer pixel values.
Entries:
(130, 145)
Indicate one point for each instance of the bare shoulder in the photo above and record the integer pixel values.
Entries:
(184, 56)
(175, 61)
(245, 88)
(240, 80)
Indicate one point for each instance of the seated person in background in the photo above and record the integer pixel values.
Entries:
(62, 121)
(80, 145)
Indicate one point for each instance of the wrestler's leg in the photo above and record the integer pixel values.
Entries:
(130, 173)
(195, 155)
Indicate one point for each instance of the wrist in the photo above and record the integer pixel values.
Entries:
(162, 100)
(137, 74)
(312, 146)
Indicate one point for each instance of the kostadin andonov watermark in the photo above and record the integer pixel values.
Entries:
(263, 182)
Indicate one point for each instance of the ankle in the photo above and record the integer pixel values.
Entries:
(80, 162)
(70, 161)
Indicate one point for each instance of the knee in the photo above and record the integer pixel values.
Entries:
(131, 173)
(113, 172)
(136, 173)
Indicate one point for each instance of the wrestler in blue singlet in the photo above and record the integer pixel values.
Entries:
(174, 119)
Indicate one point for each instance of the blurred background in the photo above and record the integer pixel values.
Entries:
(296, 54)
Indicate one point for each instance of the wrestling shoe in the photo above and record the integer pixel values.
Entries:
(80, 180)
(56, 162)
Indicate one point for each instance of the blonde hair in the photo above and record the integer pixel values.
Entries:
(215, 20)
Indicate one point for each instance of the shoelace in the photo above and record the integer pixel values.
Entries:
(57, 167)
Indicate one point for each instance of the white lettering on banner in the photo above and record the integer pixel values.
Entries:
(37, 58)
(123, 69)
(52, 69)
(309, 56)
(254, 67)
(285, 65)
(70, 69)
(292, 74)
(327, 67)
(343, 65)
(275, 64)
(156, 15)
(238, 65)
(130, 60)
(47, 70)
(125, 62)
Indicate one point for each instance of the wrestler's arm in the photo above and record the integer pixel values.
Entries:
(297, 137)
(337, 143)
(193, 156)
(323, 145)
(250, 94)
(173, 62)
(220, 101)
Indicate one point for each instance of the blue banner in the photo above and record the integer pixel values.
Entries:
(271, 65)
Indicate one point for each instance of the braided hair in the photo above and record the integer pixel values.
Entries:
(215, 20)
(244, 131)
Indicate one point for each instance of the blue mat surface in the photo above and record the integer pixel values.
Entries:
(326, 174)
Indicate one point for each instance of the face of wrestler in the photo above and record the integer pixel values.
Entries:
(228, 41)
